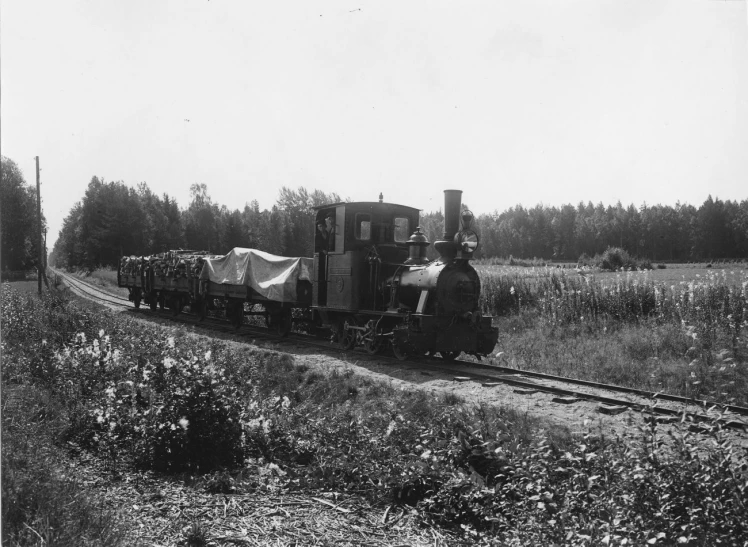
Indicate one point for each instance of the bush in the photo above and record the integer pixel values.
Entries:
(178, 413)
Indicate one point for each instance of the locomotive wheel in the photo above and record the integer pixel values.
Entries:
(348, 335)
(374, 347)
(400, 353)
(449, 355)
(373, 341)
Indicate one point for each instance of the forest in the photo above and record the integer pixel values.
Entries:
(113, 219)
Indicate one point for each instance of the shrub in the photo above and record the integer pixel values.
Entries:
(178, 413)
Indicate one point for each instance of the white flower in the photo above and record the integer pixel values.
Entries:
(170, 341)
(207, 355)
(101, 333)
(184, 422)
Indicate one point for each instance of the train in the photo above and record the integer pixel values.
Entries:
(369, 283)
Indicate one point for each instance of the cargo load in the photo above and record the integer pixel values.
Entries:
(274, 277)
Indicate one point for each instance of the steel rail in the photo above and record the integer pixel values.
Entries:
(92, 291)
(612, 387)
(645, 408)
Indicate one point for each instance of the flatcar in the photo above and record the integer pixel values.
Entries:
(369, 283)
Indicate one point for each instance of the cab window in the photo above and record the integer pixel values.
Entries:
(402, 230)
(363, 226)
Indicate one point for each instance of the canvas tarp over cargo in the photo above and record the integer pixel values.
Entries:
(274, 277)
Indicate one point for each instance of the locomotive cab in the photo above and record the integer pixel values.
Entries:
(364, 240)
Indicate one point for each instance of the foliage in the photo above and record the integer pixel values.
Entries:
(707, 316)
(114, 220)
(487, 472)
(38, 506)
(19, 246)
(716, 229)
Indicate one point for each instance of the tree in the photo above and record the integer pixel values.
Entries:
(19, 240)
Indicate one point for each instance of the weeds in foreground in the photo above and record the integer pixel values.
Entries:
(486, 472)
(39, 508)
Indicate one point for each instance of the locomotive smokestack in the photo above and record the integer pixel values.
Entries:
(452, 203)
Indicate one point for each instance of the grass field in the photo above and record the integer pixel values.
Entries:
(681, 329)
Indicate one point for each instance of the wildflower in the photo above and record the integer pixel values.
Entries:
(170, 341)
(101, 333)
(207, 355)
(184, 422)
(169, 362)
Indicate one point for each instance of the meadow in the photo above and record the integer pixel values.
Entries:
(683, 330)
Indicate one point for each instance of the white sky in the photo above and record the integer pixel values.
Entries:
(511, 101)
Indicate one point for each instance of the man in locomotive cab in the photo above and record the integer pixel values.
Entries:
(330, 224)
(321, 238)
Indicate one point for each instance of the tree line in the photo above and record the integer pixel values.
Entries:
(113, 219)
(717, 229)
(19, 245)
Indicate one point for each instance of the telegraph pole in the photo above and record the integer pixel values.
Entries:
(39, 226)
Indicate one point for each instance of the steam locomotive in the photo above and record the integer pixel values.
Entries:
(369, 284)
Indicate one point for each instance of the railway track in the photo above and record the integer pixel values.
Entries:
(661, 407)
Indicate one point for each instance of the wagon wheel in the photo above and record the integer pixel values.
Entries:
(373, 341)
(348, 335)
(285, 321)
(449, 355)
(235, 313)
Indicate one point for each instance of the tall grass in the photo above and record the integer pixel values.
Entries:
(689, 337)
(561, 297)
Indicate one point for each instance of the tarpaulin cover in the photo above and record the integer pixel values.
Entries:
(274, 277)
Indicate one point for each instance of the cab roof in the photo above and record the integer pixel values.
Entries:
(365, 204)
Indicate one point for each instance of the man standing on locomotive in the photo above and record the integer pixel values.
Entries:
(321, 237)
(330, 224)
(321, 245)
